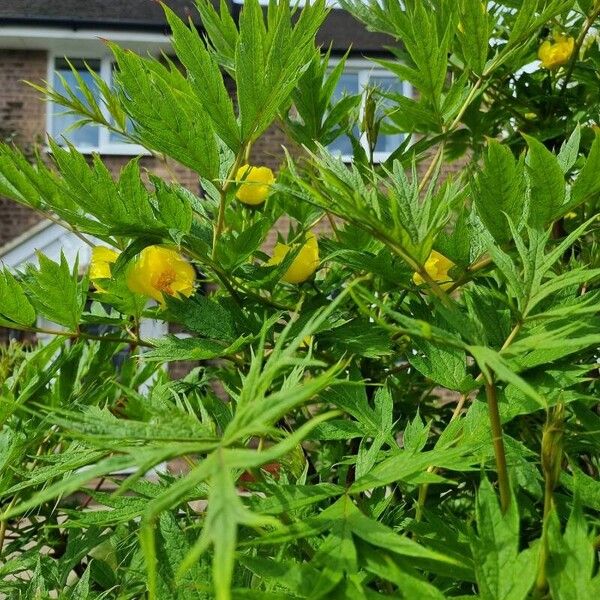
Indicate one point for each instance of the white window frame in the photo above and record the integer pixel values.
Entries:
(365, 71)
(105, 145)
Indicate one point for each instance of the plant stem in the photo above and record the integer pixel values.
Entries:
(83, 335)
(218, 229)
(498, 442)
(541, 582)
(424, 488)
(478, 265)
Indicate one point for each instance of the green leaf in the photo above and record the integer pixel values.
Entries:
(172, 348)
(401, 573)
(235, 248)
(288, 498)
(569, 151)
(166, 113)
(474, 34)
(172, 548)
(56, 292)
(572, 557)
(503, 573)
(206, 79)
(490, 361)
(358, 337)
(204, 316)
(405, 466)
(416, 434)
(270, 60)
(499, 191)
(220, 28)
(445, 366)
(225, 513)
(15, 308)
(547, 184)
(36, 588)
(82, 590)
(587, 183)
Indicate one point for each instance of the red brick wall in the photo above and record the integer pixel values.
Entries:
(22, 120)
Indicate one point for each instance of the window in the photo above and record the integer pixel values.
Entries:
(353, 81)
(89, 137)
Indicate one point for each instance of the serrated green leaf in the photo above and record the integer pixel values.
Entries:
(56, 292)
(498, 191)
(547, 184)
(496, 550)
(571, 562)
(587, 183)
(172, 348)
(14, 306)
(206, 79)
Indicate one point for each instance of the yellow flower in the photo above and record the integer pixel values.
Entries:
(102, 258)
(256, 183)
(159, 270)
(437, 267)
(553, 55)
(305, 262)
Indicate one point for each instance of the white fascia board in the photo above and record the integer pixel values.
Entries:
(64, 39)
(50, 239)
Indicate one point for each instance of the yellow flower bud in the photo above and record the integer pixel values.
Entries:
(255, 184)
(557, 53)
(305, 262)
(437, 267)
(102, 258)
(159, 270)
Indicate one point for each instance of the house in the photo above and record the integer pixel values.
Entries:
(36, 38)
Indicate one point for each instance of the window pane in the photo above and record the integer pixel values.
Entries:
(86, 136)
(387, 83)
(347, 85)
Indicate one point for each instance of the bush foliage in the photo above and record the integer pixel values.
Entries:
(404, 407)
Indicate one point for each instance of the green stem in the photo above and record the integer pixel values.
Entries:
(83, 335)
(218, 229)
(541, 582)
(470, 271)
(424, 488)
(498, 442)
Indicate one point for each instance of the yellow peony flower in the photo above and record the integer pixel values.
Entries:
(159, 270)
(437, 267)
(557, 53)
(102, 258)
(255, 184)
(304, 264)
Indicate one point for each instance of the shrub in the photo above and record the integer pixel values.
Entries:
(405, 406)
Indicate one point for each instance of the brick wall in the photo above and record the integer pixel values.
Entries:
(22, 120)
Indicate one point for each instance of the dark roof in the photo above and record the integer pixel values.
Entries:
(118, 14)
(343, 31)
(340, 30)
